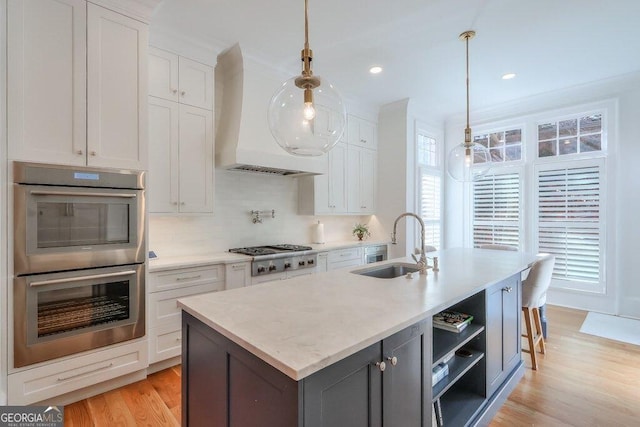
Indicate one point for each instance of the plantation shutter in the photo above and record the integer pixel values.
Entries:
(570, 221)
(430, 196)
(496, 210)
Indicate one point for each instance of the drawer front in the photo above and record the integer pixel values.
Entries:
(165, 342)
(163, 306)
(345, 255)
(55, 379)
(172, 279)
(344, 264)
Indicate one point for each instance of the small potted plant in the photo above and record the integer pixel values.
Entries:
(361, 231)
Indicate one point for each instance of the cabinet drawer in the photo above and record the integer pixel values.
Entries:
(164, 342)
(163, 306)
(344, 258)
(55, 379)
(179, 278)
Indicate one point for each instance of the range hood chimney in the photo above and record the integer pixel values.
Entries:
(243, 139)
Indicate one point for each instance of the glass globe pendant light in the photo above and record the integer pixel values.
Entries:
(468, 161)
(306, 115)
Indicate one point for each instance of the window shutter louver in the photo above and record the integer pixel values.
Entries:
(430, 195)
(496, 210)
(569, 221)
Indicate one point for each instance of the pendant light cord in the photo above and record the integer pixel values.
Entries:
(306, 24)
(467, 43)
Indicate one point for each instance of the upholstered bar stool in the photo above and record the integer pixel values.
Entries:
(534, 295)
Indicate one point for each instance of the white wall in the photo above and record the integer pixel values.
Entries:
(623, 204)
(236, 194)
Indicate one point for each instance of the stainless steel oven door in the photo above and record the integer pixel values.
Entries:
(59, 314)
(65, 228)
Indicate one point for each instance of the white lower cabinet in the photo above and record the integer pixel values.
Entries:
(164, 315)
(237, 275)
(55, 379)
(341, 258)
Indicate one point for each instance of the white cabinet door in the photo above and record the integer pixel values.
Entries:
(46, 88)
(116, 89)
(196, 84)
(362, 167)
(237, 275)
(337, 181)
(368, 175)
(361, 132)
(163, 74)
(162, 180)
(196, 160)
(180, 79)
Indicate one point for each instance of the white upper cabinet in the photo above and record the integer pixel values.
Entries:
(47, 80)
(180, 79)
(362, 166)
(76, 84)
(326, 194)
(116, 90)
(181, 158)
(361, 132)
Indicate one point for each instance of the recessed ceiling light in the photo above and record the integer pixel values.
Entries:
(375, 70)
(508, 76)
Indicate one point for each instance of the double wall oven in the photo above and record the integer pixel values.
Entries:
(79, 259)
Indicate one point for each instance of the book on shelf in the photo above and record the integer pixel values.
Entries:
(440, 371)
(453, 321)
(437, 414)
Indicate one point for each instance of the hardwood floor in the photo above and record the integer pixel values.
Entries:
(583, 380)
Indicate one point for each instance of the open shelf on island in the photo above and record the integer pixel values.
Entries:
(444, 342)
(459, 405)
(458, 366)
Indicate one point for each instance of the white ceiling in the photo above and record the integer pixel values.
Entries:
(550, 44)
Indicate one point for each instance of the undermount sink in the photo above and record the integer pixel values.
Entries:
(388, 271)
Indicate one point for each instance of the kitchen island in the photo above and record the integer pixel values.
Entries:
(340, 348)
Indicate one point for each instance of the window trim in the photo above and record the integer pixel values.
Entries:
(438, 170)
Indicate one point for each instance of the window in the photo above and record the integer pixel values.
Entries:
(504, 146)
(429, 188)
(576, 135)
(496, 209)
(570, 222)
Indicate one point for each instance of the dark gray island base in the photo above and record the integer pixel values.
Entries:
(385, 384)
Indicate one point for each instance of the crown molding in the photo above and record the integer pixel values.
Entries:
(194, 48)
(136, 9)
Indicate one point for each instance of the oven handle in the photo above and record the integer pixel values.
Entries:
(66, 193)
(80, 278)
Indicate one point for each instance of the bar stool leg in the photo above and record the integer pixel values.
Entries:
(528, 320)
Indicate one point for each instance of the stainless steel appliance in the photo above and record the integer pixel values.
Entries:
(279, 258)
(68, 217)
(79, 253)
(375, 253)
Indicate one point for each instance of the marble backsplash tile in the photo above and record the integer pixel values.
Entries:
(230, 226)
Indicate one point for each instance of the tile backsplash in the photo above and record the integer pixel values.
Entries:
(231, 226)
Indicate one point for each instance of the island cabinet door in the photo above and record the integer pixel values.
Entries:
(224, 385)
(406, 386)
(503, 331)
(347, 393)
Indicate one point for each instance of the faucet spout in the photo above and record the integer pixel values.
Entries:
(422, 262)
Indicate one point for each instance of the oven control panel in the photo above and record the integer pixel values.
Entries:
(279, 265)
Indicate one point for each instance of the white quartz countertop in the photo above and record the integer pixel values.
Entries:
(172, 262)
(304, 324)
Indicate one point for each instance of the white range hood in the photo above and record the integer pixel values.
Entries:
(243, 139)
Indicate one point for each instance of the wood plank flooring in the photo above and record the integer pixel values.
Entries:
(583, 380)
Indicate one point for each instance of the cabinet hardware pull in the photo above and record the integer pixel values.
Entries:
(182, 203)
(189, 277)
(508, 289)
(86, 372)
(93, 153)
(79, 152)
(174, 203)
(72, 194)
(174, 91)
(183, 93)
(393, 360)
(381, 365)
(81, 278)
(178, 339)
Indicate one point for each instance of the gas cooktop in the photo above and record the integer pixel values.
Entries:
(270, 250)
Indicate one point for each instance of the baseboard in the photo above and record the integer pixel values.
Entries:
(85, 393)
(164, 364)
(630, 307)
(500, 397)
